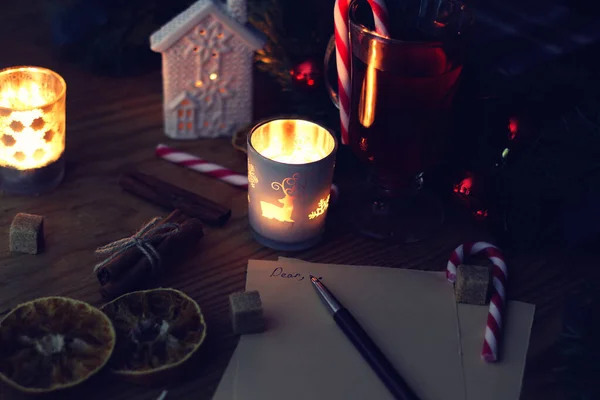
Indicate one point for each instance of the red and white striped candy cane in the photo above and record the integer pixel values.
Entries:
(493, 329)
(200, 165)
(343, 52)
(216, 171)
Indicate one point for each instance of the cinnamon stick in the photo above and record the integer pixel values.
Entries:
(130, 257)
(172, 250)
(170, 196)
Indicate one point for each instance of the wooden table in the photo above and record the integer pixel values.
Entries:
(114, 122)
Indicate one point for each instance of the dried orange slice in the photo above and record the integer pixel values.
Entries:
(53, 343)
(157, 331)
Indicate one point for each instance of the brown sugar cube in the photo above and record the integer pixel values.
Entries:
(27, 233)
(472, 284)
(246, 312)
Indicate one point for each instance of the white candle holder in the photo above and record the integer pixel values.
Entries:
(290, 169)
(32, 129)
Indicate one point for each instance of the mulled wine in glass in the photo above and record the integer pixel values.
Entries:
(401, 101)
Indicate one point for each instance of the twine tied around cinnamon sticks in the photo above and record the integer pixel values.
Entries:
(133, 263)
(143, 239)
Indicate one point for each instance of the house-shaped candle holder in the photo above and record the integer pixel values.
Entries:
(207, 59)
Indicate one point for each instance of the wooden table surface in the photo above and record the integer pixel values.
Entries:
(114, 122)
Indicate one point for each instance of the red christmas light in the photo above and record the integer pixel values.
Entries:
(513, 128)
(481, 213)
(306, 72)
(464, 187)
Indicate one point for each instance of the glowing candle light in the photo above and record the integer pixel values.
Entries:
(32, 129)
(290, 169)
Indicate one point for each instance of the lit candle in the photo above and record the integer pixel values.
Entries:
(32, 129)
(290, 169)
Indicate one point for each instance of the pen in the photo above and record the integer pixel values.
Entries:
(364, 344)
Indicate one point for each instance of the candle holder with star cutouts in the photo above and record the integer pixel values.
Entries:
(32, 130)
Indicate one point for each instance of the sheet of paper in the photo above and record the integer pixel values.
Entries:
(501, 380)
(492, 381)
(411, 315)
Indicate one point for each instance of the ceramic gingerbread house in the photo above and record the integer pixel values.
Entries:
(207, 58)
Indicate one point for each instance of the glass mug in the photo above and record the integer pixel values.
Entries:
(401, 100)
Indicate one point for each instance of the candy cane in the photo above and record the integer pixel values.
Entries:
(216, 171)
(493, 329)
(200, 165)
(343, 52)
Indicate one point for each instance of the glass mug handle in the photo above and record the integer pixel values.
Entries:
(366, 110)
(333, 94)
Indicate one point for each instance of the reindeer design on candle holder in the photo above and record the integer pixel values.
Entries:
(282, 213)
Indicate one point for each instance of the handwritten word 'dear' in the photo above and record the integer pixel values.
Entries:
(280, 273)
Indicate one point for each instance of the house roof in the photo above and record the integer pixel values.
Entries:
(170, 33)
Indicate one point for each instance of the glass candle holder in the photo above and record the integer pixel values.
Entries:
(32, 130)
(290, 170)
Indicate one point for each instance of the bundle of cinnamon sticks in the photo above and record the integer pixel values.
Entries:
(131, 269)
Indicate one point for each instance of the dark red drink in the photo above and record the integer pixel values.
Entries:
(401, 101)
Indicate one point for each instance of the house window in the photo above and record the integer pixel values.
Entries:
(185, 117)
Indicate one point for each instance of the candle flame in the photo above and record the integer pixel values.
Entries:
(26, 96)
(293, 141)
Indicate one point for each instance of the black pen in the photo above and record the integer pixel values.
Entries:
(364, 344)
